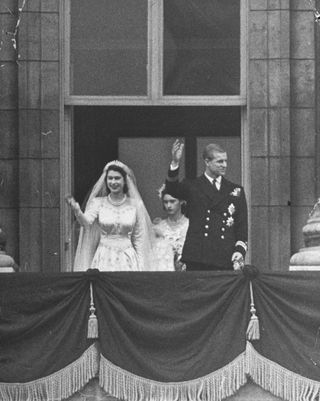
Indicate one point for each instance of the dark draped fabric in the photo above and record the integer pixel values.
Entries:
(288, 306)
(168, 327)
(172, 327)
(43, 320)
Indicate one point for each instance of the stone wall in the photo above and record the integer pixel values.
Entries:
(281, 110)
(303, 113)
(39, 136)
(9, 140)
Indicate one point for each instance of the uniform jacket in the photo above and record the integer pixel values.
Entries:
(218, 222)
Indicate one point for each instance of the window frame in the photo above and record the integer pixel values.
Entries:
(155, 69)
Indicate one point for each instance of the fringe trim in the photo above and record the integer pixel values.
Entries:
(279, 381)
(57, 386)
(213, 387)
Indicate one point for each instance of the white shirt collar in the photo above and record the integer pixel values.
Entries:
(218, 180)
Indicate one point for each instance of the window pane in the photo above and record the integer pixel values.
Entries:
(201, 47)
(109, 47)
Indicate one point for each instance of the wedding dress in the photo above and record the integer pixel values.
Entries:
(170, 243)
(119, 247)
(115, 236)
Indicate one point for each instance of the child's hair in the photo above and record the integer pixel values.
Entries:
(175, 194)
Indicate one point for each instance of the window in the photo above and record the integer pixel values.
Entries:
(155, 52)
(109, 47)
(201, 47)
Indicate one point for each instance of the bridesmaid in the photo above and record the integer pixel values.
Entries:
(172, 229)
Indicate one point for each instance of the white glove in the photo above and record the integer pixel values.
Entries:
(237, 260)
(74, 205)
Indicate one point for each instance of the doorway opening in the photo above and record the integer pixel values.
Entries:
(142, 136)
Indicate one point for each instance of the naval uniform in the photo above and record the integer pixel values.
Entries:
(218, 221)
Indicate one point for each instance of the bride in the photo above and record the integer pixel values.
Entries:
(116, 232)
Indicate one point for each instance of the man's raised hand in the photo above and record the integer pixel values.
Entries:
(177, 152)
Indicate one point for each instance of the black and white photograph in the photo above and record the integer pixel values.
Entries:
(159, 200)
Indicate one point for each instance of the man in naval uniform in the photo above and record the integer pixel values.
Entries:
(217, 210)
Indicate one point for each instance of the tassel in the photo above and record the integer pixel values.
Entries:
(253, 330)
(93, 321)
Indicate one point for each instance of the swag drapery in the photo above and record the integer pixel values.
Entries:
(161, 336)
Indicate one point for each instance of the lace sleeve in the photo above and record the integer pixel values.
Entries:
(90, 214)
(88, 237)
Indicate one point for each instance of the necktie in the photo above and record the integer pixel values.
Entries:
(215, 183)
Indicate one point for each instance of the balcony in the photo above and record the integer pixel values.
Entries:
(159, 336)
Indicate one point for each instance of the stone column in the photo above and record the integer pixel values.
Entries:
(9, 212)
(308, 258)
(39, 154)
(303, 111)
(269, 132)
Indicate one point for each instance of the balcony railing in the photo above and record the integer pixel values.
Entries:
(159, 336)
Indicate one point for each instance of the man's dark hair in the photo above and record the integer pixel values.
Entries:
(210, 149)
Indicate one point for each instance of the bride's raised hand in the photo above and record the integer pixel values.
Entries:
(73, 203)
(69, 199)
